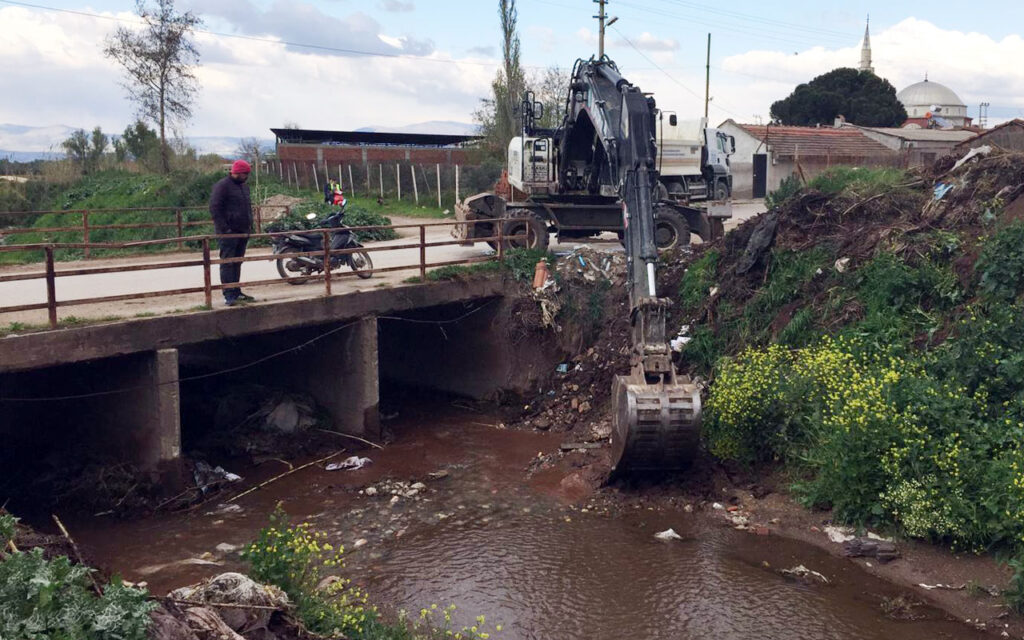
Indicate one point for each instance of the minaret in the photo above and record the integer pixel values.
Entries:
(865, 51)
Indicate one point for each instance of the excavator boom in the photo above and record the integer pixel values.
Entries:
(608, 146)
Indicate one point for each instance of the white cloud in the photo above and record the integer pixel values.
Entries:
(975, 66)
(396, 5)
(543, 37)
(649, 42)
(54, 66)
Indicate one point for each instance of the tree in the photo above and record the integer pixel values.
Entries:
(158, 62)
(498, 116)
(251, 150)
(138, 142)
(550, 88)
(85, 149)
(860, 96)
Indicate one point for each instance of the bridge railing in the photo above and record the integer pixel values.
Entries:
(83, 223)
(50, 275)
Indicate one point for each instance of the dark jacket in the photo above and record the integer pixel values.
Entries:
(230, 207)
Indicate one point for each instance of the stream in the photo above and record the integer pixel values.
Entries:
(494, 540)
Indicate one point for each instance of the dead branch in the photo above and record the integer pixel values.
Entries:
(285, 474)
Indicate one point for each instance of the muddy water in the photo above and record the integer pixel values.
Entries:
(491, 541)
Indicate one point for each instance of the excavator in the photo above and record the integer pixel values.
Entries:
(598, 170)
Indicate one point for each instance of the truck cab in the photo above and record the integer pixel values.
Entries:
(693, 160)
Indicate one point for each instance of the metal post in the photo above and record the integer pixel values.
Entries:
(177, 220)
(207, 281)
(351, 183)
(423, 253)
(85, 232)
(501, 240)
(398, 180)
(380, 169)
(341, 180)
(415, 189)
(366, 168)
(438, 167)
(327, 261)
(456, 184)
(51, 288)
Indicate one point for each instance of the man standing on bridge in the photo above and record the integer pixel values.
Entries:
(231, 210)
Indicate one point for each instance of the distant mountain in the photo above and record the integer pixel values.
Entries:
(28, 156)
(19, 138)
(439, 127)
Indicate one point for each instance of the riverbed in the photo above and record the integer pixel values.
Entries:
(496, 533)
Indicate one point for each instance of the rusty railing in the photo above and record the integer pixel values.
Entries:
(50, 274)
(175, 219)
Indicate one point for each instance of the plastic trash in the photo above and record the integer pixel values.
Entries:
(668, 534)
(942, 189)
(562, 368)
(351, 463)
(207, 476)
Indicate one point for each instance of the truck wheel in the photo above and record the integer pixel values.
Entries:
(670, 230)
(721, 190)
(532, 232)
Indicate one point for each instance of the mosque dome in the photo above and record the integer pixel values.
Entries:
(927, 93)
(926, 98)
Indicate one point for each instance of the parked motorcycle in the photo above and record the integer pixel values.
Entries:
(341, 238)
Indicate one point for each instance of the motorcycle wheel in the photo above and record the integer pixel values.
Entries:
(281, 271)
(361, 264)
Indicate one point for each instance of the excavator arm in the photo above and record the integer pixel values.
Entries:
(609, 136)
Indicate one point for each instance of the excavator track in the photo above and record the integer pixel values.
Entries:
(656, 427)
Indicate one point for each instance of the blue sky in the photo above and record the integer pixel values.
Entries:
(449, 50)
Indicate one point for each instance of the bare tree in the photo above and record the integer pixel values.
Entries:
(550, 88)
(158, 62)
(251, 150)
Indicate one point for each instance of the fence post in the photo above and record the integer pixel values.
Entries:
(438, 167)
(380, 169)
(456, 184)
(259, 218)
(327, 261)
(423, 253)
(415, 189)
(501, 239)
(398, 180)
(207, 282)
(85, 232)
(51, 288)
(177, 219)
(351, 184)
(316, 178)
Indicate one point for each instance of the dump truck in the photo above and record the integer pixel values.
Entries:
(693, 160)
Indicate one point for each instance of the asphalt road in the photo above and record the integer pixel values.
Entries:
(130, 282)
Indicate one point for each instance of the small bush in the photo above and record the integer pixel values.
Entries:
(700, 276)
(1001, 264)
(789, 187)
(44, 599)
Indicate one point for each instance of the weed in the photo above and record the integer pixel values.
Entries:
(789, 187)
(52, 598)
(698, 280)
(861, 181)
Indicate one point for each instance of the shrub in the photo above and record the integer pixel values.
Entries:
(1001, 264)
(789, 187)
(43, 599)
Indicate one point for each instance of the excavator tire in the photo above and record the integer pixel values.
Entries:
(656, 427)
(670, 229)
(532, 232)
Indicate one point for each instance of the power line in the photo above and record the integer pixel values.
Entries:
(317, 47)
(203, 376)
(670, 76)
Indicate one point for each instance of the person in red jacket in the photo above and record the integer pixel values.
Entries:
(231, 210)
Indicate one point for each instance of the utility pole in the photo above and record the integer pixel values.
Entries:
(707, 79)
(983, 114)
(602, 22)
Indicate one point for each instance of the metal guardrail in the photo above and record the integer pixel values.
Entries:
(51, 274)
(86, 226)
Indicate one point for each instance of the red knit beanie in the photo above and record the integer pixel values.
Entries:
(240, 166)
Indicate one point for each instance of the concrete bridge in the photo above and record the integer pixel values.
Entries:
(122, 385)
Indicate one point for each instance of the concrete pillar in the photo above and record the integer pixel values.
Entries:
(149, 415)
(340, 372)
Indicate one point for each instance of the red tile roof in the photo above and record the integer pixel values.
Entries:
(844, 142)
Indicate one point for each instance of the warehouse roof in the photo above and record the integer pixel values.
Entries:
(318, 136)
